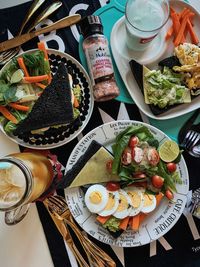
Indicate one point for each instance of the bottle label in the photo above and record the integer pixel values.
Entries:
(99, 60)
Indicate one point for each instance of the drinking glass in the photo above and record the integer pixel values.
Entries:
(24, 177)
(143, 21)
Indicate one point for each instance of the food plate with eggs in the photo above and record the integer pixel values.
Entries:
(100, 200)
(150, 58)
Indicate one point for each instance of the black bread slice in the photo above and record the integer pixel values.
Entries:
(53, 107)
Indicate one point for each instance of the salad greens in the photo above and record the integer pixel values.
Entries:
(128, 173)
(122, 141)
(165, 88)
(14, 90)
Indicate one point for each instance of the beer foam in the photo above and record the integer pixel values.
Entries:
(12, 186)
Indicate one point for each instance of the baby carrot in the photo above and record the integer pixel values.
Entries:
(41, 47)
(6, 113)
(22, 66)
(169, 33)
(180, 34)
(41, 85)
(19, 107)
(135, 222)
(194, 37)
(102, 219)
(35, 79)
(124, 223)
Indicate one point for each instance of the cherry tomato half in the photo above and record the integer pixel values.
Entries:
(109, 164)
(157, 181)
(134, 140)
(171, 167)
(169, 194)
(112, 186)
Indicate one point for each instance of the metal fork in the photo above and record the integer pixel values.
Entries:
(191, 139)
(67, 237)
(7, 55)
(96, 256)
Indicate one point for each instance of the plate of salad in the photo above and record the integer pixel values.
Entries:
(163, 80)
(28, 98)
(148, 197)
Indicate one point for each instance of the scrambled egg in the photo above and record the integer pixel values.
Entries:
(189, 57)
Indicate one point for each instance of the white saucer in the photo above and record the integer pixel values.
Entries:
(157, 51)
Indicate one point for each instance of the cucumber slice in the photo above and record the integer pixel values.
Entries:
(17, 76)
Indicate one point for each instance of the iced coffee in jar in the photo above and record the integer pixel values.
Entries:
(24, 177)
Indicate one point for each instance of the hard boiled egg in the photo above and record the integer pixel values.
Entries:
(124, 207)
(149, 203)
(112, 204)
(137, 199)
(96, 198)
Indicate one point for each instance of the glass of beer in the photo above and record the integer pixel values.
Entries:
(24, 177)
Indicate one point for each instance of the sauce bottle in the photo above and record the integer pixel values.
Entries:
(96, 49)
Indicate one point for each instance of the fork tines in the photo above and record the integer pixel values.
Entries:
(57, 204)
(190, 139)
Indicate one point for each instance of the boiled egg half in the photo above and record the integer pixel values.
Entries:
(124, 207)
(112, 204)
(96, 198)
(137, 199)
(149, 203)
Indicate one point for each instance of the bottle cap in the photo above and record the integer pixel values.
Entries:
(90, 25)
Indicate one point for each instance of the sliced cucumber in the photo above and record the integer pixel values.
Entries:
(17, 76)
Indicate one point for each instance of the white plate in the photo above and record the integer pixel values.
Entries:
(60, 139)
(160, 49)
(156, 224)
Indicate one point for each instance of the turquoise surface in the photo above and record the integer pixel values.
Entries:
(109, 14)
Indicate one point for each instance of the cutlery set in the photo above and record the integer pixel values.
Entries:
(11, 48)
(60, 213)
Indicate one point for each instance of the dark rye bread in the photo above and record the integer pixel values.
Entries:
(53, 107)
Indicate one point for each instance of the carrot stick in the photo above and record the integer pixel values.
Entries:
(135, 222)
(41, 47)
(194, 37)
(19, 107)
(41, 85)
(172, 11)
(159, 198)
(169, 33)
(76, 103)
(183, 13)
(124, 223)
(8, 115)
(142, 217)
(22, 66)
(35, 79)
(102, 219)
(180, 34)
(176, 23)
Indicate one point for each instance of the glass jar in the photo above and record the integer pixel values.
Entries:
(24, 177)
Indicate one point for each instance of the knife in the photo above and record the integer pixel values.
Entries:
(19, 40)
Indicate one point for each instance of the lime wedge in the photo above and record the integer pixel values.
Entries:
(17, 76)
(169, 151)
